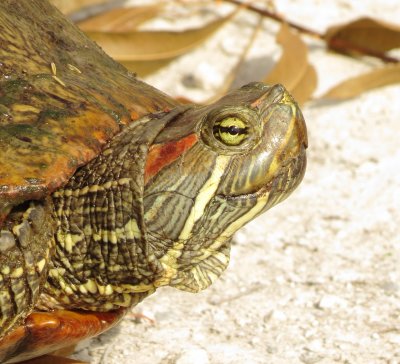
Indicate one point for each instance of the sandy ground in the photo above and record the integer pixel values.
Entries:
(316, 279)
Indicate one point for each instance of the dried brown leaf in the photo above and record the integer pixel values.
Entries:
(153, 45)
(353, 87)
(69, 6)
(306, 87)
(293, 69)
(365, 33)
(121, 19)
(293, 62)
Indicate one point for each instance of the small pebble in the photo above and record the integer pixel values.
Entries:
(309, 333)
(315, 345)
(189, 80)
(330, 302)
(271, 349)
(279, 316)
(194, 356)
(310, 358)
(394, 338)
(390, 287)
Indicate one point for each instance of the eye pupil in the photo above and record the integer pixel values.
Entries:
(233, 130)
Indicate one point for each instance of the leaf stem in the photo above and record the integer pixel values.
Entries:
(338, 45)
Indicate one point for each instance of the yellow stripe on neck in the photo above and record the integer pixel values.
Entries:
(206, 193)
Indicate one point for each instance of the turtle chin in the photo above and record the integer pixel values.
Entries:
(278, 187)
(285, 182)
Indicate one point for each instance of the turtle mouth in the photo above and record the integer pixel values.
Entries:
(280, 186)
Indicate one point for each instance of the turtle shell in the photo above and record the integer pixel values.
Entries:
(46, 332)
(61, 99)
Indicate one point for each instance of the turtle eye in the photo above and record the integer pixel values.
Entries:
(230, 131)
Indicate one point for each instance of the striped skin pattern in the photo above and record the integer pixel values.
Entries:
(218, 188)
(103, 260)
(159, 205)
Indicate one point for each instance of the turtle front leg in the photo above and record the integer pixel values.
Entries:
(26, 243)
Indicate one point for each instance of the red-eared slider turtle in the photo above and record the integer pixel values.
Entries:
(110, 189)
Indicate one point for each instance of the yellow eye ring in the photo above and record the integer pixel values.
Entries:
(230, 131)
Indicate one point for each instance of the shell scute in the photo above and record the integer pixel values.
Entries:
(46, 332)
(61, 100)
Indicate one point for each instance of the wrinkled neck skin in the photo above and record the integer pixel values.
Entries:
(119, 237)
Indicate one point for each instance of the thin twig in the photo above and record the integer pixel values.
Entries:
(339, 45)
(345, 47)
(277, 17)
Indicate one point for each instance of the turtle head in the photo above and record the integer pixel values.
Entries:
(211, 170)
(260, 131)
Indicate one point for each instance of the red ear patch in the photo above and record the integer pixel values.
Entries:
(161, 155)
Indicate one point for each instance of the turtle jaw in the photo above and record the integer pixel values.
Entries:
(279, 187)
(286, 181)
(290, 156)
